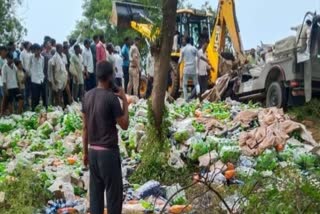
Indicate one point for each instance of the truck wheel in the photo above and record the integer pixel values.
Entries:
(174, 80)
(276, 95)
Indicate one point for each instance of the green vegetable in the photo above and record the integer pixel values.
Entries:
(7, 125)
(180, 201)
(230, 154)
(71, 122)
(45, 130)
(146, 205)
(181, 137)
(306, 161)
(198, 148)
(219, 110)
(267, 161)
(198, 126)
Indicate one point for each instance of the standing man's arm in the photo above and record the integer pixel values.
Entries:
(4, 80)
(123, 121)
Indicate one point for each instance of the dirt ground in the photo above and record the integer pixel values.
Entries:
(313, 126)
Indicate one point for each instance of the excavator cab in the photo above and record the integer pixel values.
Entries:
(193, 23)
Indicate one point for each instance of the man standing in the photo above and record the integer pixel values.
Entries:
(76, 70)
(101, 112)
(47, 55)
(94, 50)
(3, 55)
(134, 69)
(126, 62)
(59, 75)
(67, 96)
(88, 66)
(10, 82)
(101, 54)
(38, 86)
(118, 61)
(188, 56)
(25, 60)
(150, 71)
(203, 67)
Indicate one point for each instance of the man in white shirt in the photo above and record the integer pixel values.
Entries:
(188, 56)
(150, 71)
(58, 75)
(76, 70)
(88, 66)
(3, 55)
(25, 60)
(10, 82)
(36, 72)
(118, 66)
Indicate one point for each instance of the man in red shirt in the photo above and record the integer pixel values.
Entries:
(101, 54)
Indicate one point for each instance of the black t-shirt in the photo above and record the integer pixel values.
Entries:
(102, 107)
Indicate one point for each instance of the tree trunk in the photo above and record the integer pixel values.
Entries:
(162, 59)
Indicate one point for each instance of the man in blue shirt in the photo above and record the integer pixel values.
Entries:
(126, 62)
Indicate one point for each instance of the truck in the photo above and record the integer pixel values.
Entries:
(291, 78)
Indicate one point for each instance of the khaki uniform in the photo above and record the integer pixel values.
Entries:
(134, 70)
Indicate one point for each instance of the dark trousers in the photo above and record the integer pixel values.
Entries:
(90, 83)
(150, 86)
(118, 81)
(126, 77)
(105, 175)
(37, 91)
(27, 93)
(203, 82)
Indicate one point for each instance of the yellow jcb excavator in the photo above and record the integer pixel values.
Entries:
(190, 22)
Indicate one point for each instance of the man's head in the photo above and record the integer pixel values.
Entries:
(96, 39)
(3, 52)
(110, 48)
(309, 22)
(10, 58)
(65, 47)
(137, 41)
(253, 52)
(104, 72)
(101, 37)
(53, 42)
(188, 40)
(65, 44)
(59, 48)
(36, 49)
(117, 50)
(11, 46)
(77, 49)
(18, 63)
(86, 43)
(127, 41)
(47, 45)
(26, 45)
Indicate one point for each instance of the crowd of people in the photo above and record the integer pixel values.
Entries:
(60, 73)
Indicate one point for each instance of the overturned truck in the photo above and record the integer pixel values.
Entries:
(292, 78)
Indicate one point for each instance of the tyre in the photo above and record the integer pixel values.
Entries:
(174, 80)
(276, 95)
(143, 87)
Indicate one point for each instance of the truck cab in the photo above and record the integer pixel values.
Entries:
(292, 77)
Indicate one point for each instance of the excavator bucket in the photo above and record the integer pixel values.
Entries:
(125, 12)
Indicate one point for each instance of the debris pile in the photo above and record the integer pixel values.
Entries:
(223, 139)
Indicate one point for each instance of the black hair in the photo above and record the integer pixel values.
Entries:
(76, 47)
(86, 42)
(101, 37)
(10, 55)
(137, 39)
(126, 39)
(17, 62)
(46, 39)
(104, 71)
(11, 43)
(25, 44)
(59, 46)
(188, 40)
(95, 37)
(109, 46)
(3, 48)
(36, 47)
(309, 22)
(53, 42)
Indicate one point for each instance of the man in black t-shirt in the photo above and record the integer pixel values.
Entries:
(101, 112)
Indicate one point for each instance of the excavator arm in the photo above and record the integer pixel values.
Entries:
(225, 22)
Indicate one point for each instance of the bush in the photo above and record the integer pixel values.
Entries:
(24, 192)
